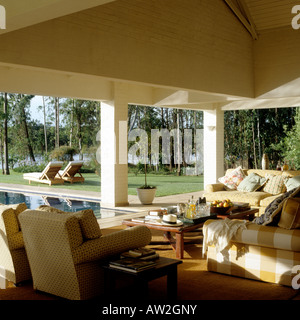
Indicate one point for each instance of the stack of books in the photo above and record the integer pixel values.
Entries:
(132, 264)
(153, 216)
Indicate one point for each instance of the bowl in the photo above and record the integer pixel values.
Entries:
(221, 210)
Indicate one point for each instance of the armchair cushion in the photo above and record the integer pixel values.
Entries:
(88, 223)
(87, 220)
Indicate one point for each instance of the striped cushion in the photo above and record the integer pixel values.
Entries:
(275, 184)
(290, 216)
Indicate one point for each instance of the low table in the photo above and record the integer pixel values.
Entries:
(177, 243)
(247, 214)
(164, 267)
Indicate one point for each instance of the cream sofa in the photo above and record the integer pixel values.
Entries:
(267, 249)
(66, 250)
(257, 199)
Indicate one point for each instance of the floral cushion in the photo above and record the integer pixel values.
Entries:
(233, 179)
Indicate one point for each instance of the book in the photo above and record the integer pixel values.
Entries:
(241, 204)
(152, 257)
(148, 217)
(141, 252)
(132, 264)
(142, 220)
(155, 212)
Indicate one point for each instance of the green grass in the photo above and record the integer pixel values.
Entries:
(166, 184)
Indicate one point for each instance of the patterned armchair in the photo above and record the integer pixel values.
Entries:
(14, 264)
(66, 250)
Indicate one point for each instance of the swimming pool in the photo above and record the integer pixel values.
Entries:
(33, 201)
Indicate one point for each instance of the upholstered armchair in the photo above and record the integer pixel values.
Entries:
(14, 266)
(66, 250)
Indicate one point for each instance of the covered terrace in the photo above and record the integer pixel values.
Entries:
(205, 55)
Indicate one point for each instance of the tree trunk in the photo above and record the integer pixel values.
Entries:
(259, 138)
(254, 145)
(29, 146)
(45, 128)
(5, 140)
(56, 122)
(178, 143)
(1, 151)
(72, 120)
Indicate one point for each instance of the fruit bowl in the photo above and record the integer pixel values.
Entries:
(221, 207)
(220, 210)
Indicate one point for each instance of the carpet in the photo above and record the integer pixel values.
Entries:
(194, 281)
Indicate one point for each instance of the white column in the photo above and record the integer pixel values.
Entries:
(114, 164)
(213, 145)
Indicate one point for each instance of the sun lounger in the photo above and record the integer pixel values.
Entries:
(70, 172)
(50, 174)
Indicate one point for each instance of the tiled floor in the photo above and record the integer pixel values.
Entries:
(134, 209)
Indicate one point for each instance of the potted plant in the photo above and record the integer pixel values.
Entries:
(145, 192)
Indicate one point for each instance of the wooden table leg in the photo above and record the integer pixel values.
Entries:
(179, 245)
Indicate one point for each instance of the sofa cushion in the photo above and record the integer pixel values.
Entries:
(266, 201)
(273, 210)
(253, 198)
(232, 179)
(251, 183)
(290, 215)
(275, 184)
(292, 183)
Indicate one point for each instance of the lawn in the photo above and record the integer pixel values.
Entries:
(166, 184)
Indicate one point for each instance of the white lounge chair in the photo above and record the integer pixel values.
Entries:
(50, 174)
(72, 169)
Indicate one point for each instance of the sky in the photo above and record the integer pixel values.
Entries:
(36, 114)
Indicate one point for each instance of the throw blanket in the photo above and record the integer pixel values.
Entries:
(220, 232)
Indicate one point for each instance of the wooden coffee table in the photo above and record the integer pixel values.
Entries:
(176, 242)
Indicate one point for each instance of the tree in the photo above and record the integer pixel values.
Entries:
(289, 147)
(5, 138)
(20, 117)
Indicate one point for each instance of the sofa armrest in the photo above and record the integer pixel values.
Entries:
(215, 187)
(112, 244)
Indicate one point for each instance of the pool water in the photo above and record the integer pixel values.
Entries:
(33, 201)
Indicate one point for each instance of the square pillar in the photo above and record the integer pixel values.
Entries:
(213, 145)
(114, 163)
